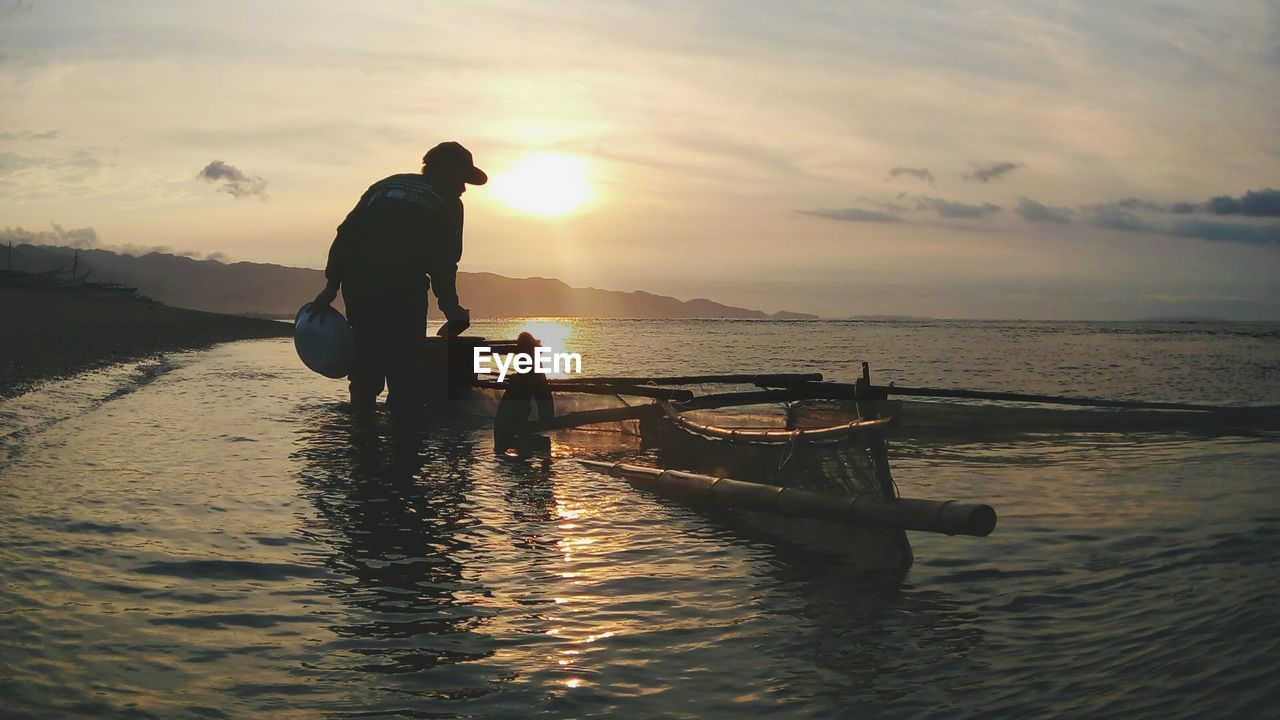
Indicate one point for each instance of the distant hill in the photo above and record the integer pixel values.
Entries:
(1182, 319)
(892, 318)
(245, 288)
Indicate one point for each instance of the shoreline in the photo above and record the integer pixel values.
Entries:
(51, 334)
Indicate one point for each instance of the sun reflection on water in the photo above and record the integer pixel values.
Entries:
(582, 546)
(557, 335)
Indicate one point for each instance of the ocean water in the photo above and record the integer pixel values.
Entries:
(207, 537)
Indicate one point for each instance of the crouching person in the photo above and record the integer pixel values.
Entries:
(525, 390)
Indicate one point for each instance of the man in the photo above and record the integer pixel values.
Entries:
(402, 238)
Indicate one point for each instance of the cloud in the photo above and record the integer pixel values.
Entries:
(140, 250)
(992, 171)
(1133, 203)
(917, 173)
(11, 162)
(854, 215)
(893, 207)
(17, 8)
(82, 159)
(1127, 215)
(715, 154)
(950, 209)
(1115, 217)
(233, 181)
(1120, 216)
(1236, 232)
(86, 238)
(1032, 211)
(1254, 203)
(1272, 53)
(83, 238)
(29, 135)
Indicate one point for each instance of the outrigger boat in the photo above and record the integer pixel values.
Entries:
(795, 445)
(830, 479)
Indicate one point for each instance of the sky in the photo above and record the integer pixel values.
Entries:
(977, 159)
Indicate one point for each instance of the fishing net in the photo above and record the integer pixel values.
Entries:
(838, 459)
(827, 461)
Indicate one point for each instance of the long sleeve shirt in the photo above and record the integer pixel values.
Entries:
(404, 229)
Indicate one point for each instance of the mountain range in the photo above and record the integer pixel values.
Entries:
(245, 288)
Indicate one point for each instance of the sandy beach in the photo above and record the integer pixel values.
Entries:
(50, 334)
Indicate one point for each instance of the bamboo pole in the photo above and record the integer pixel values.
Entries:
(706, 402)
(1059, 400)
(805, 391)
(588, 388)
(761, 379)
(948, 517)
(592, 417)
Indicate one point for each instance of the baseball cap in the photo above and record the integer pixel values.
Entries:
(453, 155)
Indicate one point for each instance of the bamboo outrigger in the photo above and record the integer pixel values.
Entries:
(949, 517)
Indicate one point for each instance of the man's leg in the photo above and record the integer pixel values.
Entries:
(405, 355)
(367, 363)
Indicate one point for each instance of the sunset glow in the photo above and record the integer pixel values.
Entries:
(545, 183)
(838, 159)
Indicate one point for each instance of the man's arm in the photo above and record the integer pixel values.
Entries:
(333, 271)
(444, 271)
(335, 268)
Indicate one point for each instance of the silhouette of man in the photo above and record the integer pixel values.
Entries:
(403, 238)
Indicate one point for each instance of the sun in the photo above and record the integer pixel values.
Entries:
(545, 183)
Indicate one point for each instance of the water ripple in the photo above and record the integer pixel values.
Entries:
(168, 553)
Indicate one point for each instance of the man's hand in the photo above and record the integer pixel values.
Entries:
(323, 303)
(459, 320)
